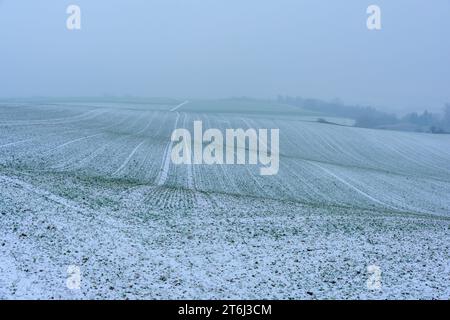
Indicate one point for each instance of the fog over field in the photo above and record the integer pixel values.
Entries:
(108, 190)
(218, 49)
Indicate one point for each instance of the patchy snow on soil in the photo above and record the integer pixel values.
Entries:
(90, 185)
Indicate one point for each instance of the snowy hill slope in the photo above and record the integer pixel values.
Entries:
(81, 185)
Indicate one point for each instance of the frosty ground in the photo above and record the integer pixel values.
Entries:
(88, 184)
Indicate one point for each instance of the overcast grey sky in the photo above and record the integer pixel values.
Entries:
(221, 48)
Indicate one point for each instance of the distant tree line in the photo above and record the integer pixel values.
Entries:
(369, 117)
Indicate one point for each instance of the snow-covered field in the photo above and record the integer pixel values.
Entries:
(89, 184)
